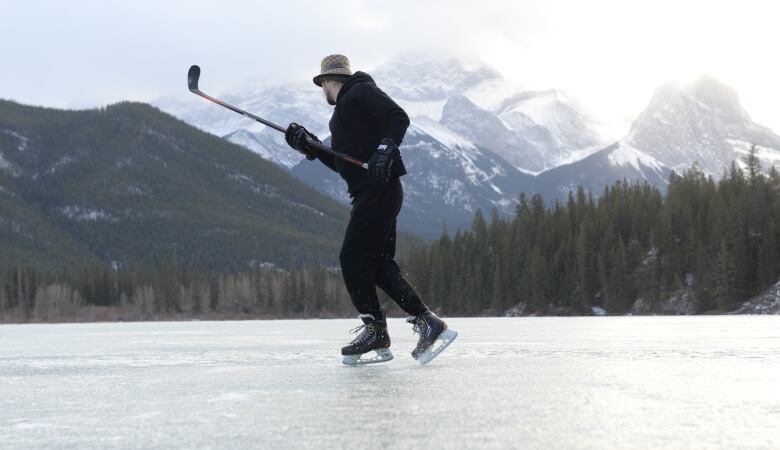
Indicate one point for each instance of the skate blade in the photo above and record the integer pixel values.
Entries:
(382, 355)
(446, 337)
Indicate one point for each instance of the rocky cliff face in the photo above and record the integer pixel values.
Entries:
(768, 302)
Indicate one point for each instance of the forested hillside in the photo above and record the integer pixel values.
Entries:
(132, 187)
(705, 246)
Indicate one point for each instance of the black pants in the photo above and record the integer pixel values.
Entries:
(368, 252)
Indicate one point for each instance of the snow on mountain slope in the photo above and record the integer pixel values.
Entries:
(534, 131)
(422, 86)
(523, 149)
(570, 133)
(430, 78)
(491, 94)
(460, 152)
(624, 155)
(282, 104)
(553, 110)
(600, 169)
(701, 122)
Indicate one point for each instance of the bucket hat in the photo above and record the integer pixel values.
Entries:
(333, 67)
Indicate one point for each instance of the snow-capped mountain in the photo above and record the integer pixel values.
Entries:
(533, 131)
(700, 122)
(431, 79)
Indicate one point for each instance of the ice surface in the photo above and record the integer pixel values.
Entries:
(600, 382)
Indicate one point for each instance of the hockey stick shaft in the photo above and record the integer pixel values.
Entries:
(192, 83)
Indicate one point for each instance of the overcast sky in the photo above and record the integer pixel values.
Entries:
(608, 54)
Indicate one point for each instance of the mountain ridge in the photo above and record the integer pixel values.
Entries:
(543, 133)
(130, 185)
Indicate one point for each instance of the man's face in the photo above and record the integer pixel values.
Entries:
(328, 88)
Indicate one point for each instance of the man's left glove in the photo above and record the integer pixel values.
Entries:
(381, 161)
(296, 138)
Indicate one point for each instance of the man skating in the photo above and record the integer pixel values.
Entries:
(368, 125)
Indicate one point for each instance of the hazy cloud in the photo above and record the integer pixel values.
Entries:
(608, 53)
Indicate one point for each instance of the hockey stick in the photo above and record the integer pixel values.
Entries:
(193, 75)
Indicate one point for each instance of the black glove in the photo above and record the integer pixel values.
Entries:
(382, 160)
(296, 138)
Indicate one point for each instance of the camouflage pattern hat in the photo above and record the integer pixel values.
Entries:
(333, 67)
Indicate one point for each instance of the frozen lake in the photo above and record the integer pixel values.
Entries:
(601, 382)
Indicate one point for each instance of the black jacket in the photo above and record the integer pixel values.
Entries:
(363, 116)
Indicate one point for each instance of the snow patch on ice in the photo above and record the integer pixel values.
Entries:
(25, 424)
(147, 415)
(230, 397)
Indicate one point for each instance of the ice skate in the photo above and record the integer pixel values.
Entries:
(434, 336)
(373, 337)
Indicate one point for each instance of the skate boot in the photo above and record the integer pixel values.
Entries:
(431, 330)
(373, 337)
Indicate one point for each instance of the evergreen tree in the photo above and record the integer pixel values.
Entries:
(724, 278)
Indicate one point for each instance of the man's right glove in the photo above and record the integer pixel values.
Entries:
(381, 161)
(296, 138)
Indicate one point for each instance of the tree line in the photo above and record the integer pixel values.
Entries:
(715, 243)
(100, 293)
(711, 243)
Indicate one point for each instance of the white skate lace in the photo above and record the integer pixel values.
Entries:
(416, 328)
(368, 328)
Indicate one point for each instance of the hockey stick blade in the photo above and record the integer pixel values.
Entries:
(193, 75)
